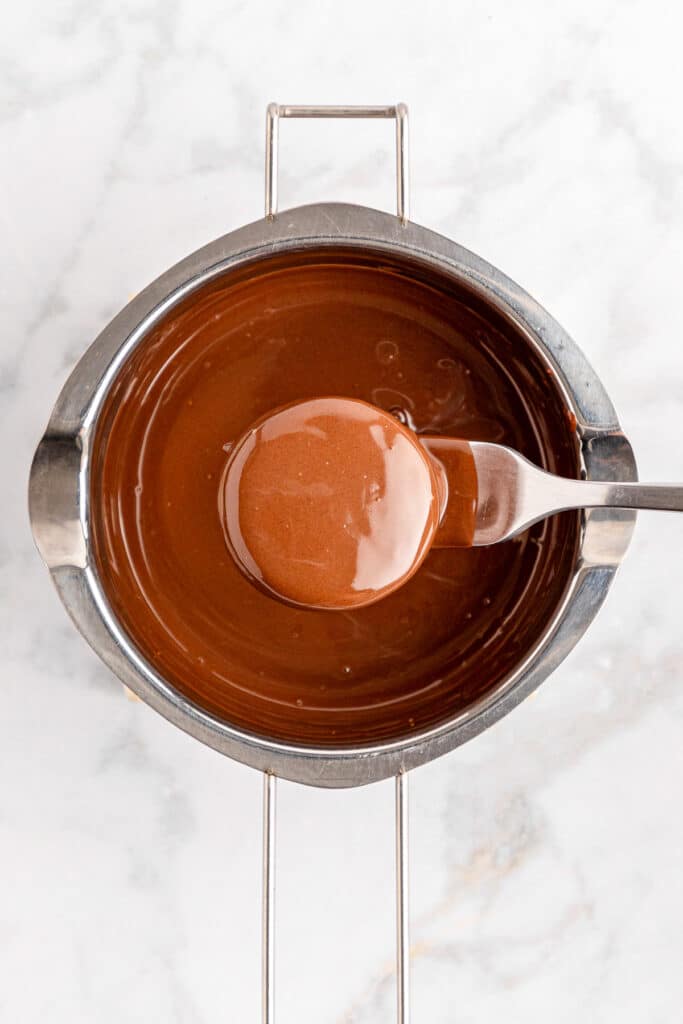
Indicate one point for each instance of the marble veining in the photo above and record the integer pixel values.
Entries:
(546, 881)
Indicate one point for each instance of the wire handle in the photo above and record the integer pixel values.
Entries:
(399, 112)
(268, 902)
(402, 907)
(402, 903)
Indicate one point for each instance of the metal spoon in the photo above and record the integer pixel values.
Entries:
(332, 503)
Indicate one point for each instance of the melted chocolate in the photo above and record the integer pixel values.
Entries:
(280, 331)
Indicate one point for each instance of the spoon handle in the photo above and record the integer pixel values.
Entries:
(513, 493)
(594, 493)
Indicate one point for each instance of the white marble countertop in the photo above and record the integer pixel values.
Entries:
(547, 854)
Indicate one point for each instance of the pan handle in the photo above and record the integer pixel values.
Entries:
(268, 902)
(399, 112)
(402, 907)
(402, 903)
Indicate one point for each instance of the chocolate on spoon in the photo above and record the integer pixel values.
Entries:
(332, 503)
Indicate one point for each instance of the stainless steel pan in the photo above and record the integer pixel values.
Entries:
(60, 499)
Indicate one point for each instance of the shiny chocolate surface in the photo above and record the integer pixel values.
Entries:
(289, 330)
(330, 503)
